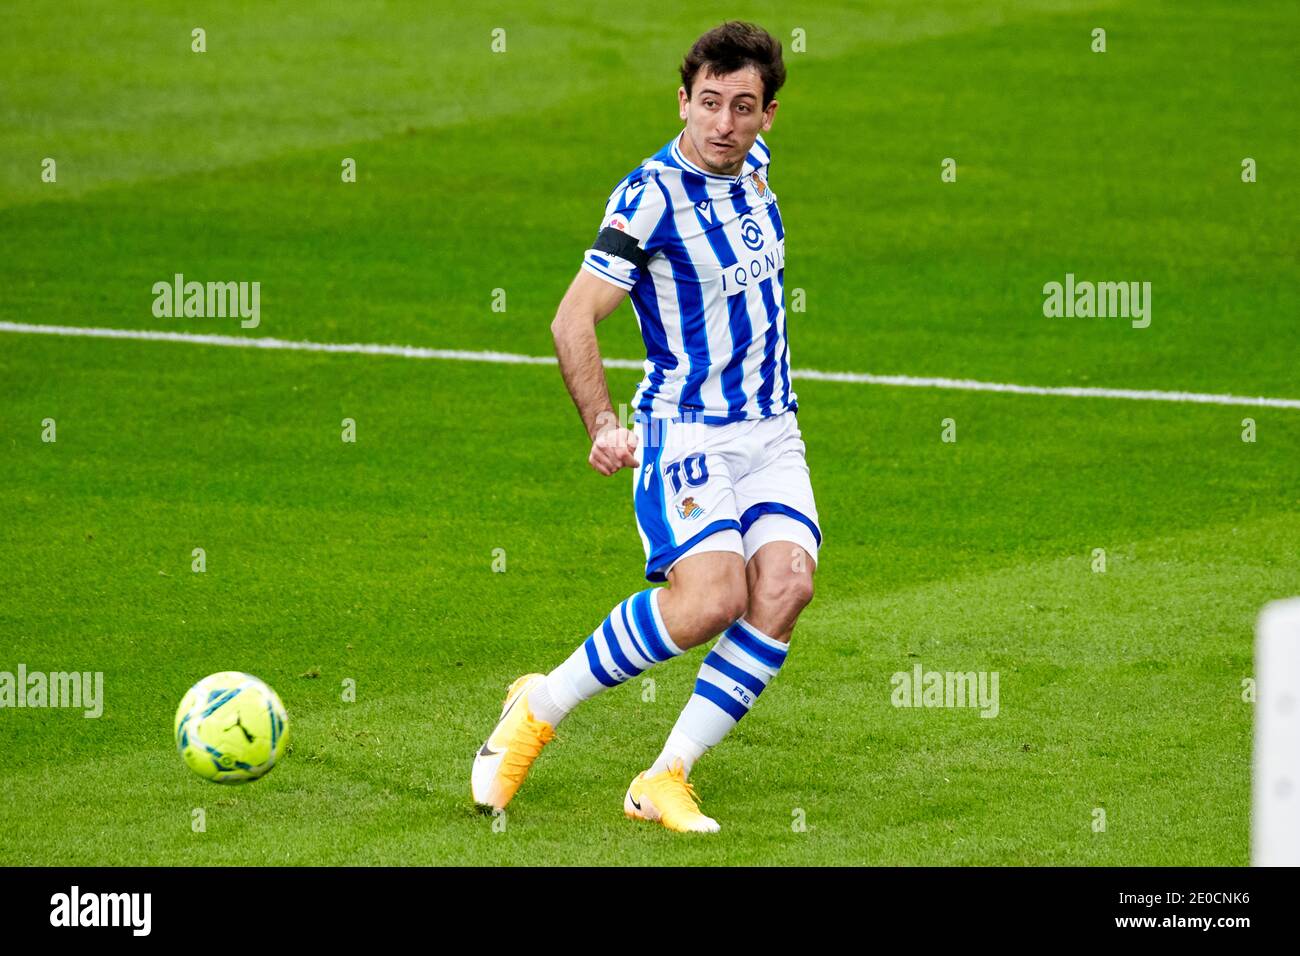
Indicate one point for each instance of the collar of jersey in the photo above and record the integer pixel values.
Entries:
(680, 158)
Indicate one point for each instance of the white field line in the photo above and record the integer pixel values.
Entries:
(511, 358)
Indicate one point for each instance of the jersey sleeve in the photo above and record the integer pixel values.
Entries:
(630, 233)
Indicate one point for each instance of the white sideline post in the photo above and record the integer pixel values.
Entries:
(1275, 816)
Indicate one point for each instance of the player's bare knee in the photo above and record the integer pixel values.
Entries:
(786, 593)
(803, 590)
(706, 605)
(720, 606)
(732, 608)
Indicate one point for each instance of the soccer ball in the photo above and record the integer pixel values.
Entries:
(231, 728)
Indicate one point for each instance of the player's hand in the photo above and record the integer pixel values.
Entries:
(613, 448)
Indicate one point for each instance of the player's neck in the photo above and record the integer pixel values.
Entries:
(688, 150)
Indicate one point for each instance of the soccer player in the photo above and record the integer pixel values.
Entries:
(720, 488)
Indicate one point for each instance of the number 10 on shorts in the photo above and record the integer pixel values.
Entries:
(692, 468)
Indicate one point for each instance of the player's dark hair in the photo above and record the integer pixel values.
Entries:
(733, 46)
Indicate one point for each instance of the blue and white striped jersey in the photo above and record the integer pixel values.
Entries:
(703, 259)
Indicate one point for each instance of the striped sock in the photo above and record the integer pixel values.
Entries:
(732, 676)
(632, 639)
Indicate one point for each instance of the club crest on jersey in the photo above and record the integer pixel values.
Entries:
(760, 185)
(689, 509)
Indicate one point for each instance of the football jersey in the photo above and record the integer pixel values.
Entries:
(702, 256)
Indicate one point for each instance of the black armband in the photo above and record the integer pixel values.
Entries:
(618, 243)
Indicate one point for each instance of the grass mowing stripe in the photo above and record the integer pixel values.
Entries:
(511, 358)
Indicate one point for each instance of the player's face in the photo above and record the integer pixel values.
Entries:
(724, 115)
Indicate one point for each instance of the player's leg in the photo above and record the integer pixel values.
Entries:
(707, 591)
(747, 656)
(711, 594)
(781, 541)
(779, 577)
(686, 515)
(685, 519)
(648, 628)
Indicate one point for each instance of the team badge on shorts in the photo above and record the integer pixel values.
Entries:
(689, 509)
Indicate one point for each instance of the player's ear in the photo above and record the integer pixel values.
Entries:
(683, 98)
(768, 114)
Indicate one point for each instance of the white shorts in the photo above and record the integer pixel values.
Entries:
(733, 487)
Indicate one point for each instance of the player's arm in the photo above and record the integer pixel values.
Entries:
(588, 302)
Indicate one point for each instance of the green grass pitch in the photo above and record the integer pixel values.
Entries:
(372, 562)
